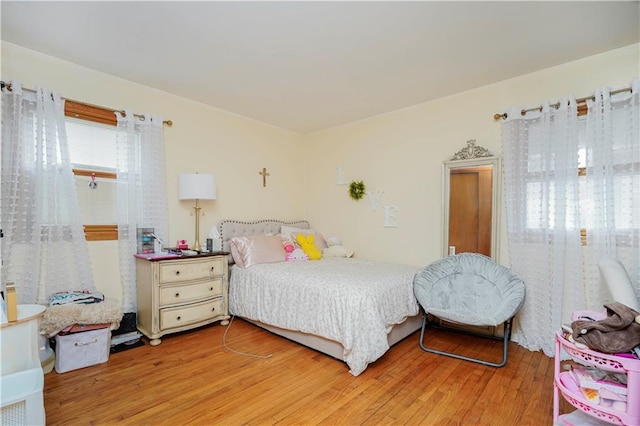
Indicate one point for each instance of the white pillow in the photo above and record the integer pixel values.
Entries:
(619, 283)
(337, 251)
(291, 230)
(255, 249)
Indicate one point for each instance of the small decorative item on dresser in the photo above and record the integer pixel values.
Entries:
(145, 239)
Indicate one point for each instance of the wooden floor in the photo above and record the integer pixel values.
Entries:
(191, 379)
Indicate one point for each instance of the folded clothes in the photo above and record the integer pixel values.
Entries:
(79, 328)
(75, 296)
(618, 332)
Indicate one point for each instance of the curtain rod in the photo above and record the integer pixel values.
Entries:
(123, 113)
(557, 104)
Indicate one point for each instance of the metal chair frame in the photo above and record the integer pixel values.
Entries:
(506, 338)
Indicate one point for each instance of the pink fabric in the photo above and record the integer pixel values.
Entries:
(255, 249)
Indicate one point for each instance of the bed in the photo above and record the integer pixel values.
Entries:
(348, 308)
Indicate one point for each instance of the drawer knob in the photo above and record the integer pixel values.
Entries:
(179, 318)
(177, 272)
(177, 294)
(213, 309)
(210, 288)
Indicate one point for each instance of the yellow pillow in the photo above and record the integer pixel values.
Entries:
(308, 246)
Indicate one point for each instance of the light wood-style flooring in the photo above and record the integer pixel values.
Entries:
(191, 379)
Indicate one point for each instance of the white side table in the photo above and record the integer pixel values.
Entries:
(21, 375)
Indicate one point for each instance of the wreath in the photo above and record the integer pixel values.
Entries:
(357, 190)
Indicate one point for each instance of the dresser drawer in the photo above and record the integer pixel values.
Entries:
(185, 315)
(172, 294)
(187, 270)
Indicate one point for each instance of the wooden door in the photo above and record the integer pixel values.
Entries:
(470, 205)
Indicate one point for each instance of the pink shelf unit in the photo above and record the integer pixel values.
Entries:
(565, 385)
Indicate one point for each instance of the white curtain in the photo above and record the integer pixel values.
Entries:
(44, 249)
(612, 187)
(548, 203)
(541, 189)
(141, 192)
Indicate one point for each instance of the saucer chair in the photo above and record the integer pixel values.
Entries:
(469, 289)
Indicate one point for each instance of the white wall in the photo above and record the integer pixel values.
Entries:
(202, 139)
(402, 153)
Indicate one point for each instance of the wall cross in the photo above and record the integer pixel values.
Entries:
(264, 175)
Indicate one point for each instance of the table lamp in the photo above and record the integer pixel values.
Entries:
(195, 186)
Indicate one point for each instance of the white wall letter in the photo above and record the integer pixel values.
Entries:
(339, 178)
(374, 199)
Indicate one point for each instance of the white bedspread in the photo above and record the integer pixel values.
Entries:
(352, 301)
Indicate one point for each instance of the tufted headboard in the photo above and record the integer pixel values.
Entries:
(229, 228)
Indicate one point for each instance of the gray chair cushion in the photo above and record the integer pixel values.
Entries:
(469, 288)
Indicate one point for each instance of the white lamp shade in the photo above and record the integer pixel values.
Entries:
(196, 186)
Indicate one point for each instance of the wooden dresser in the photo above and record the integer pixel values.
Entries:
(182, 293)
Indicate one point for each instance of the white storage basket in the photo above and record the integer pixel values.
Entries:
(79, 350)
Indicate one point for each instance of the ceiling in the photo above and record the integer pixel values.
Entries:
(308, 66)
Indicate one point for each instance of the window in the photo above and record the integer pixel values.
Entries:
(588, 192)
(91, 134)
(541, 191)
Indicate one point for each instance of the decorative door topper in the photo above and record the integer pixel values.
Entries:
(471, 151)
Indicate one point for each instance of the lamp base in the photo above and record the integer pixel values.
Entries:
(196, 245)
